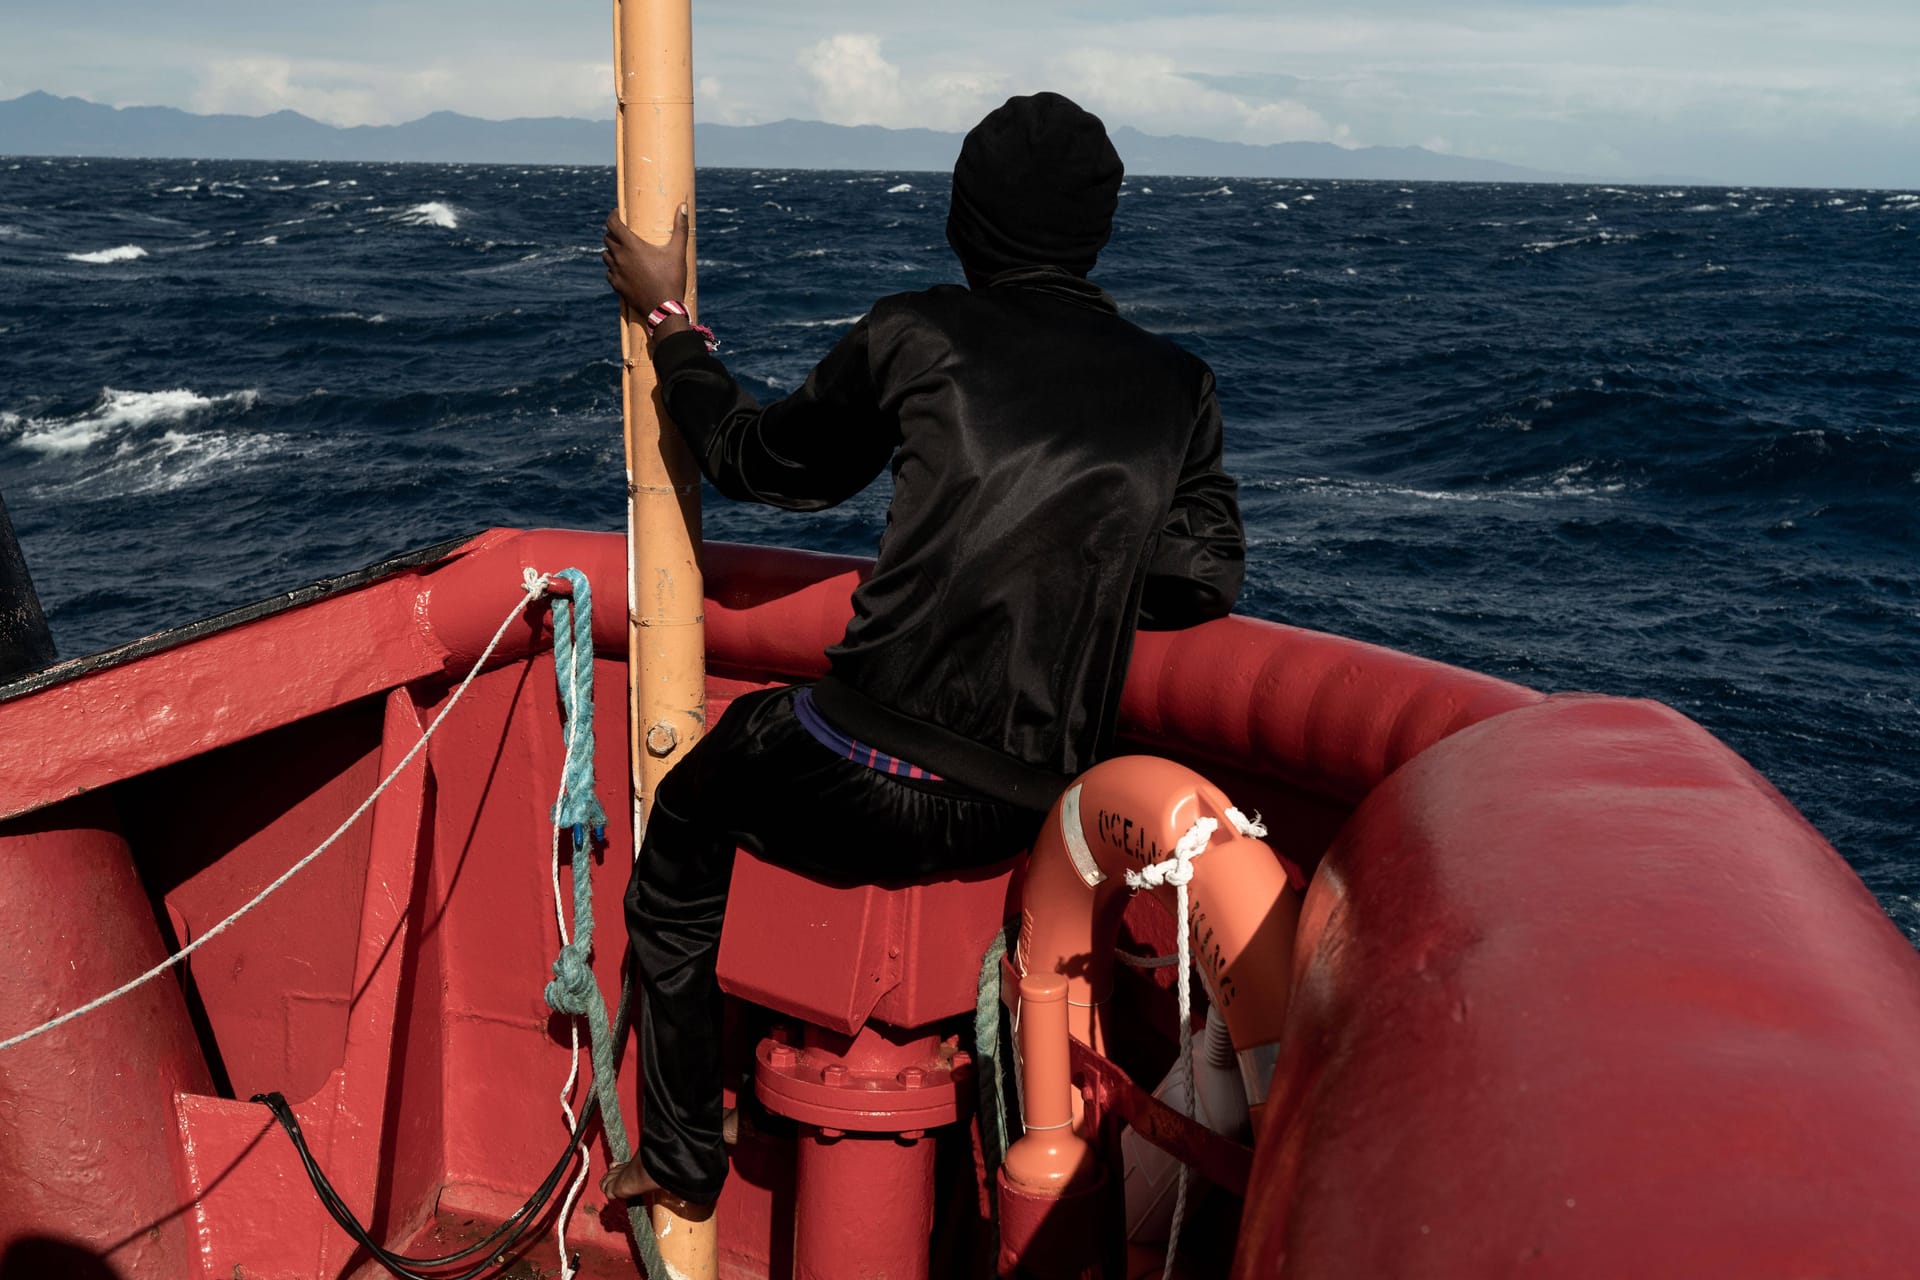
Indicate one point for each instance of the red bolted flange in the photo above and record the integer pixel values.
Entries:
(816, 1086)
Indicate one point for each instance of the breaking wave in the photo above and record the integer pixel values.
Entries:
(120, 253)
(114, 414)
(434, 213)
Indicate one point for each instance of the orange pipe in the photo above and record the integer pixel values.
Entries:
(1049, 1158)
(1125, 814)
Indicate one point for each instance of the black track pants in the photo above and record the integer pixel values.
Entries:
(759, 780)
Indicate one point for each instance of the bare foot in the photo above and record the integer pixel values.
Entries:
(628, 1181)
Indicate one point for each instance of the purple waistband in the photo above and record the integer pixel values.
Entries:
(859, 752)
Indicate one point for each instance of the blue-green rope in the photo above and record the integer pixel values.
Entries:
(573, 990)
(989, 1015)
(579, 806)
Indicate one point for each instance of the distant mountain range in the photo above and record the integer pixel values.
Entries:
(40, 124)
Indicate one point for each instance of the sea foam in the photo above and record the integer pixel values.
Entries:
(833, 322)
(434, 213)
(117, 411)
(120, 253)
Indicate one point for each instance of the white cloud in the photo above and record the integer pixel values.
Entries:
(1149, 92)
(854, 83)
(352, 93)
(716, 104)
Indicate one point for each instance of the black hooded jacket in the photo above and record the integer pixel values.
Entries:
(1056, 481)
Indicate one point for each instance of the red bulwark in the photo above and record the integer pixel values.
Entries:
(1579, 995)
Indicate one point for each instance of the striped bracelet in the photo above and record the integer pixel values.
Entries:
(658, 317)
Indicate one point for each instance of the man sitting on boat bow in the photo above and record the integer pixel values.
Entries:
(1057, 481)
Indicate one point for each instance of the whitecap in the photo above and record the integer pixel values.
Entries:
(120, 253)
(896, 190)
(1701, 208)
(1280, 205)
(177, 460)
(266, 240)
(833, 322)
(1602, 236)
(8, 232)
(434, 213)
(117, 411)
(1568, 482)
(1306, 197)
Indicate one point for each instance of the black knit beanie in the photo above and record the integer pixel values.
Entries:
(1036, 184)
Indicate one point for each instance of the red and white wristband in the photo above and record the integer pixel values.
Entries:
(658, 316)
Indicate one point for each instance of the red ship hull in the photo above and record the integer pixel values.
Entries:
(1575, 992)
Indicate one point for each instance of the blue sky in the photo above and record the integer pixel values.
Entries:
(1749, 91)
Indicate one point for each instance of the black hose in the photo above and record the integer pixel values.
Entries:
(505, 1238)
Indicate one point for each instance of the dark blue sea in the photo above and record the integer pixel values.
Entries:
(1646, 441)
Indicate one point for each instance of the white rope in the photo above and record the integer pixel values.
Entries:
(536, 586)
(573, 1024)
(1178, 872)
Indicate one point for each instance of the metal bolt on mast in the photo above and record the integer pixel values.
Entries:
(666, 668)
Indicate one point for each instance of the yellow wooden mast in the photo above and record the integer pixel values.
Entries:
(666, 659)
